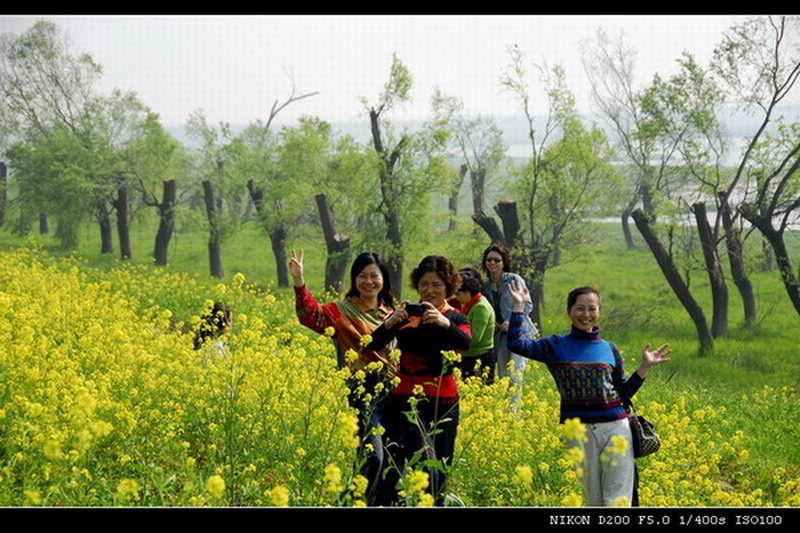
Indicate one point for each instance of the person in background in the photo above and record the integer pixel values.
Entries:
(479, 358)
(366, 304)
(425, 333)
(594, 389)
(464, 271)
(497, 265)
(214, 322)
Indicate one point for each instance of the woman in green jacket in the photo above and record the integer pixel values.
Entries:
(479, 359)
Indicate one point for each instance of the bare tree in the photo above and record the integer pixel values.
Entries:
(758, 61)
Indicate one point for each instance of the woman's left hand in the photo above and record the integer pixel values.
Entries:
(434, 316)
(653, 358)
(657, 356)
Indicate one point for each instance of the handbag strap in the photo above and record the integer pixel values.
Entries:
(627, 403)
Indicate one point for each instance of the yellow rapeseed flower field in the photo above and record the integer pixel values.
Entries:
(104, 402)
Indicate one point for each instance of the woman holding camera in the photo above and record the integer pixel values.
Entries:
(425, 334)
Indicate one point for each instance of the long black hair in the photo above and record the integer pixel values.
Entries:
(213, 322)
(363, 260)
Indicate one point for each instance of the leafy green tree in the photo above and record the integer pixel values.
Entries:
(409, 168)
(214, 154)
(152, 159)
(684, 108)
(44, 93)
(280, 171)
(50, 103)
(562, 184)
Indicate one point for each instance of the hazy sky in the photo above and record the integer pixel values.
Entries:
(235, 67)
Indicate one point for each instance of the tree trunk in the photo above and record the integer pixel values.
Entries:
(784, 264)
(489, 225)
(538, 265)
(395, 259)
(733, 243)
(647, 200)
(24, 223)
(44, 227)
(338, 246)
(278, 239)
(767, 265)
(626, 227)
(214, 234)
(123, 227)
(719, 289)
(166, 222)
(452, 201)
(67, 232)
(507, 211)
(106, 235)
(3, 193)
(478, 182)
(675, 281)
(452, 208)
(775, 238)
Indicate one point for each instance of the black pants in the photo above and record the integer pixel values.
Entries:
(370, 416)
(479, 365)
(404, 438)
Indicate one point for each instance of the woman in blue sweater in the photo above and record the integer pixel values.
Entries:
(591, 380)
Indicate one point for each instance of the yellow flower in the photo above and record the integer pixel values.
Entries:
(279, 496)
(348, 429)
(365, 339)
(425, 500)
(333, 479)
(575, 455)
(33, 497)
(574, 429)
(359, 486)
(621, 501)
(523, 475)
(417, 481)
(572, 500)
(52, 450)
(127, 489)
(215, 485)
(451, 356)
(619, 445)
(329, 331)
(350, 355)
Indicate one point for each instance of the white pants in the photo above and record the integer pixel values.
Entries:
(607, 476)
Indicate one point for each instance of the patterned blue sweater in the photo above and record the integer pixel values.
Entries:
(588, 371)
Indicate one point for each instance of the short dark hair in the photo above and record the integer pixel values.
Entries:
(572, 297)
(470, 284)
(501, 249)
(469, 270)
(364, 259)
(442, 267)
